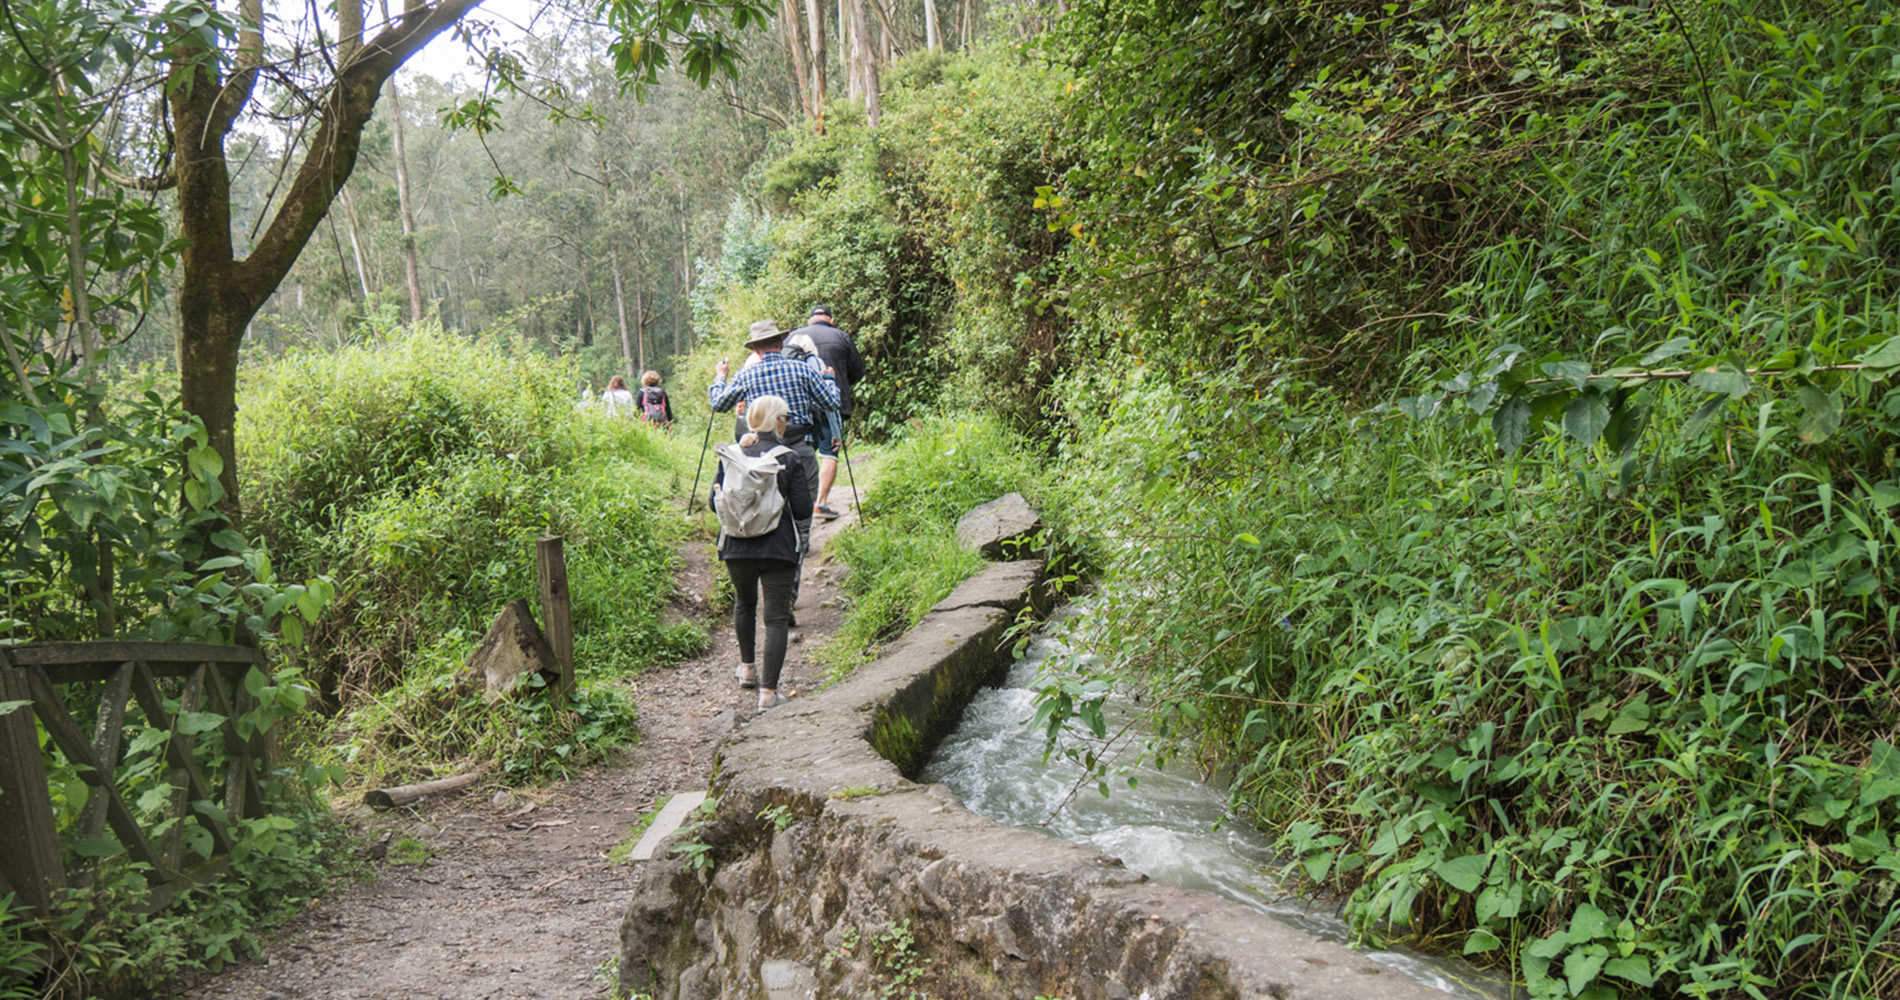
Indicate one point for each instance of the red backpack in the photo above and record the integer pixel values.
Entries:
(653, 404)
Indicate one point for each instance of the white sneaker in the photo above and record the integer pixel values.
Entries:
(747, 675)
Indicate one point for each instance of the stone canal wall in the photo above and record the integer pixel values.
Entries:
(828, 873)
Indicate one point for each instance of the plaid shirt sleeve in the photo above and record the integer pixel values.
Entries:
(803, 390)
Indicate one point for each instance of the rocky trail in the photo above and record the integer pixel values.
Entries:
(518, 897)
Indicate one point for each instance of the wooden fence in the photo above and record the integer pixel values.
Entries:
(202, 679)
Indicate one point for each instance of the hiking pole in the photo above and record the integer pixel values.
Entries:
(692, 499)
(846, 452)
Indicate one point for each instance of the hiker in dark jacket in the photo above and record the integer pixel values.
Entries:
(769, 562)
(841, 356)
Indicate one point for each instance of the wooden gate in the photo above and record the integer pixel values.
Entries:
(205, 680)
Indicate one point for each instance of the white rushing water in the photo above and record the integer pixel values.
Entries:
(1164, 828)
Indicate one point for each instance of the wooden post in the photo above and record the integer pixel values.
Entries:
(29, 843)
(557, 615)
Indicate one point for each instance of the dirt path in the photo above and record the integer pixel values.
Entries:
(519, 898)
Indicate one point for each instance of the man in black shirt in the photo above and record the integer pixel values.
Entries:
(841, 356)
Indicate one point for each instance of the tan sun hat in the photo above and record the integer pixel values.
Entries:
(762, 331)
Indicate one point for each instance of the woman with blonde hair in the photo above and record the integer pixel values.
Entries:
(765, 564)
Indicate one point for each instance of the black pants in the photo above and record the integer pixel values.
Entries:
(775, 578)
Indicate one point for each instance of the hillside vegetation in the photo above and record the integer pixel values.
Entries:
(1479, 419)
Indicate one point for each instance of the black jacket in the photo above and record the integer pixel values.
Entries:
(835, 347)
(782, 543)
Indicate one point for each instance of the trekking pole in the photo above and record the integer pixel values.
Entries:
(692, 499)
(846, 452)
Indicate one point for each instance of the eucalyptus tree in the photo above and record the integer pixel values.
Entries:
(217, 74)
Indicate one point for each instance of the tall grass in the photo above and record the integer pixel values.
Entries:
(422, 467)
(903, 558)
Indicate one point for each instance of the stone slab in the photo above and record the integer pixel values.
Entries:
(990, 527)
(671, 816)
(1009, 586)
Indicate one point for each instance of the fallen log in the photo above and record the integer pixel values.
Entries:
(402, 795)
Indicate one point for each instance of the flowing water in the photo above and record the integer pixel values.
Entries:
(1168, 827)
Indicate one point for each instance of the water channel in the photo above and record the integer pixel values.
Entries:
(1164, 828)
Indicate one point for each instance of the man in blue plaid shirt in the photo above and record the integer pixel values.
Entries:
(805, 393)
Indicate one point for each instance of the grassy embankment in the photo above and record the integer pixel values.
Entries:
(420, 468)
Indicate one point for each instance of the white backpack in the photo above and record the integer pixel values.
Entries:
(749, 504)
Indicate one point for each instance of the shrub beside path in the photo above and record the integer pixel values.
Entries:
(518, 897)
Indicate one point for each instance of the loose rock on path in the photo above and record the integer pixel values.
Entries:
(519, 898)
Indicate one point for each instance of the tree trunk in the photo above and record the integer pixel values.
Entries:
(933, 38)
(864, 62)
(850, 46)
(640, 326)
(815, 25)
(218, 294)
(620, 304)
(410, 273)
(795, 45)
(349, 22)
(356, 244)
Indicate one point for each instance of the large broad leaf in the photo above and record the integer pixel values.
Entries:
(1626, 425)
(1587, 923)
(1586, 417)
(206, 463)
(1582, 965)
(1887, 355)
(193, 723)
(1464, 874)
(1512, 424)
(1573, 372)
(1821, 414)
(1634, 968)
(1721, 381)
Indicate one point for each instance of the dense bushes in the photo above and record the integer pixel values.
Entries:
(1648, 736)
(1616, 711)
(423, 466)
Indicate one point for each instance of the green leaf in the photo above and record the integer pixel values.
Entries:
(1634, 968)
(206, 463)
(1582, 965)
(1465, 874)
(193, 723)
(1512, 423)
(1481, 940)
(1821, 414)
(1721, 381)
(1587, 923)
(1574, 372)
(1887, 355)
(9, 707)
(1669, 349)
(1586, 416)
(96, 847)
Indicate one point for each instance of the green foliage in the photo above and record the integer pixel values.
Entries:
(409, 851)
(919, 235)
(697, 852)
(102, 943)
(437, 716)
(903, 557)
(110, 526)
(428, 465)
(1591, 732)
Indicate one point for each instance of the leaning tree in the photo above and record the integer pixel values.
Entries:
(216, 71)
